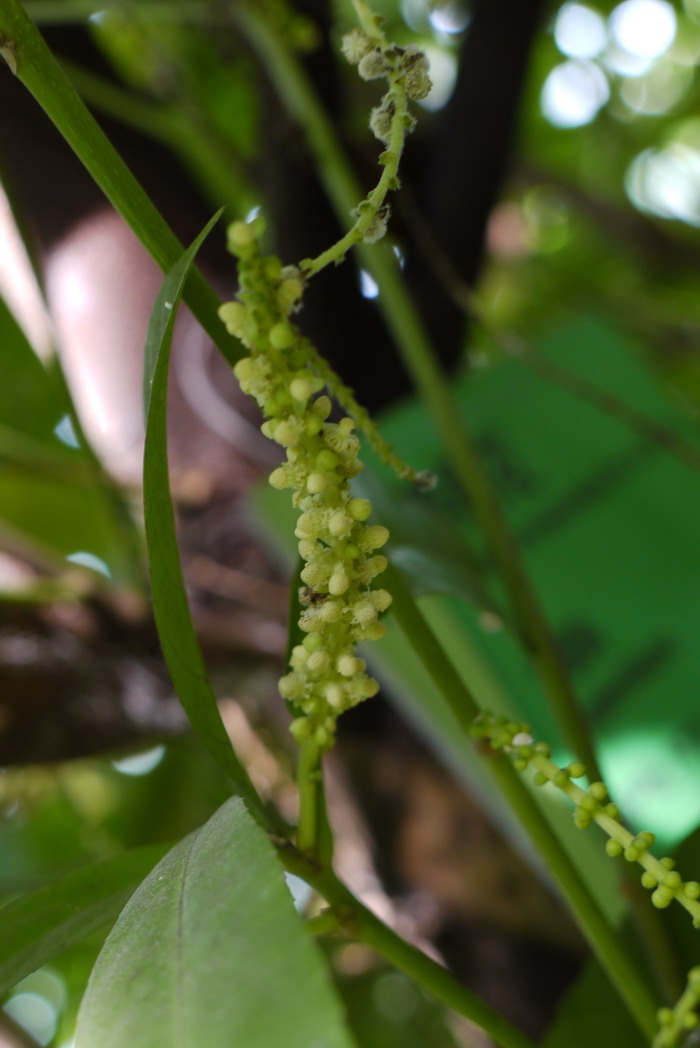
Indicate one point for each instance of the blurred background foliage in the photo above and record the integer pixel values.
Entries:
(555, 172)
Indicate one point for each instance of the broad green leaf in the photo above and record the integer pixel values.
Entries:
(590, 1014)
(172, 614)
(210, 952)
(37, 927)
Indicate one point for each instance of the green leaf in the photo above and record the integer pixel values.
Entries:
(590, 1014)
(210, 951)
(37, 927)
(172, 614)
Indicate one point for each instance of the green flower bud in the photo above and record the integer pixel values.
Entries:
(338, 583)
(373, 537)
(355, 45)
(414, 65)
(649, 880)
(301, 389)
(373, 65)
(359, 509)
(340, 524)
(348, 665)
(300, 728)
(281, 336)
(286, 432)
(327, 459)
(381, 599)
(322, 407)
(316, 483)
(613, 848)
(318, 661)
(576, 770)
(233, 315)
(334, 695)
(381, 118)
(331, 610)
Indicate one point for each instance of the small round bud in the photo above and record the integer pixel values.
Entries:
(598, 790)
(373, 537)
(327, 459)
(373, 631)
(288, 294)
(313, 642)
(673, 880)
(290, 687)
(301, 389)
(381, 599)
(359, 509)
(632, 853)
(612, 810)
(561, 778)
(318, 661)
(300, 728)
(322, 406)
(668, 862)
(539, 778)
(286, 433)
(331, 610)
(692, 889)
(348, 665)
(279, 478)
(373, 65)
(613, 848)
(649, 881)
(576, 770)
(338, 583)
(334, 695)
(662, 897)
(315, 483)
(340, 524)
(233, 314)
(240, 235)
(355, 45)
(281, 336)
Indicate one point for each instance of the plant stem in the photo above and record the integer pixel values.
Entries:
(43, 77)
(361, 924)
(309, 783)
(411, 338)
(610, 948)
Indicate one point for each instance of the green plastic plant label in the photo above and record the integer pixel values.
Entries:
(599, 477)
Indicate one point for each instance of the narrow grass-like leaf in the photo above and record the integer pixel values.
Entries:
(31, 59)
(38, 927)
(210, 951)
(172, 614)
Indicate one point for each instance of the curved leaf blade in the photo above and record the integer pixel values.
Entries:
(171, 609)
(210, 951)
(38, 927)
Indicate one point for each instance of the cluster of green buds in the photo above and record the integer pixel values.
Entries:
(341, 608)
(675, 1023)
(591, 805)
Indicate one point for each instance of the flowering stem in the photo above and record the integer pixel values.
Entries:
(413, 342)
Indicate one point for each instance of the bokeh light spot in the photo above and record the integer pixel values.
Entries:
(573, 93)
(579, 31)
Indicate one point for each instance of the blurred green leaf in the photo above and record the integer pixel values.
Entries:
(39, 926)
(170, 606)
(590, 1013)
(209, 951)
